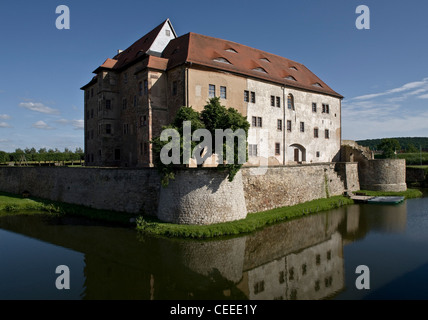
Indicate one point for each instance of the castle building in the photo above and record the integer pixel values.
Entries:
(295, 117)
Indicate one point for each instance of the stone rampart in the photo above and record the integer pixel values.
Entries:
(383, 175)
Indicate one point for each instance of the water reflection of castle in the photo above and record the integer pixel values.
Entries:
(299, 259)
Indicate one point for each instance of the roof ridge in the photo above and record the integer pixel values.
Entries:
(244, 45)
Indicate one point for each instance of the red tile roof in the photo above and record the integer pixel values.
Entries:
(203, 50)
(221, 55)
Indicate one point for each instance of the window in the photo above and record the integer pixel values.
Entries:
(108, 128)
(327, 134)
(318, 154)
(146, 147)
(125, 78)
(222, 60)
(259, 69)
(108, 104)
(315, 132)
(257, 121)
(279, 124)
(264, 59)
(325, 108)
(302, 127)
(223, 92)
(146, 87)
(277, 149)
(125, 128)
(117, 154)
(124, 104)
(135, 100)
(259, 287)
(293, 68)
(211, 91)
(92, 113)
(167, 33)
(140, 88)
(252, 150)
(272, 101)
(246, 96)
(304, 269)
(317, 85)
(318, 259)
(174, 88)
(290, 102)
(291, 274)
(329, 255)
(278, 102)
(143, 120)
(92, 92)
(289, 125)
(314, 107)
(231, 50)
(253, 97)
(281, 277)
(290, 78)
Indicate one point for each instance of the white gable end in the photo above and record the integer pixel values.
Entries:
(166, 34)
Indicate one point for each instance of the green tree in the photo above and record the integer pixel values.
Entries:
(389, 147)
(4, 156)
(214, 116)
(411, 148)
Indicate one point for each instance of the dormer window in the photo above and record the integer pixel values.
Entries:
(293, 68)
(264, 59)
(259, 69)
(317, 85)
(222, 60)
(290, 78)
(231, 50)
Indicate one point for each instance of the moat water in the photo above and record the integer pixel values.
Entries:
(314, 257)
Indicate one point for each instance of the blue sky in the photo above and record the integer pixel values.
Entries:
(381, 72)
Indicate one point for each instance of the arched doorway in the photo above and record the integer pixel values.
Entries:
(297, 153)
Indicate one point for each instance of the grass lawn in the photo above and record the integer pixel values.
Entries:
(16, 204)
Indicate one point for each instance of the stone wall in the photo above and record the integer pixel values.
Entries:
(126, 190)
(383, 175)
(202, 196)
(286, 186)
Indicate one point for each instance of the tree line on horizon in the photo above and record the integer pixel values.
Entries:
(407, 145)
(43, 154)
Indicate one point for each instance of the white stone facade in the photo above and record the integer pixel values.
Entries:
(271, 105)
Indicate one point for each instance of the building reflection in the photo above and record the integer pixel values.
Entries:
(298, 259)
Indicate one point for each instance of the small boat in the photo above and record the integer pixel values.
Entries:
(386, 200)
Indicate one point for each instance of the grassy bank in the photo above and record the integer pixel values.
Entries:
(253, 221)
(408, 194)
(15, 204)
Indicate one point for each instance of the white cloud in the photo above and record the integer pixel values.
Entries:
(38, 107)
(42, 125)
(5, 125)
(420, 86)
(424, 96)
(4, 116)
(77, 124)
